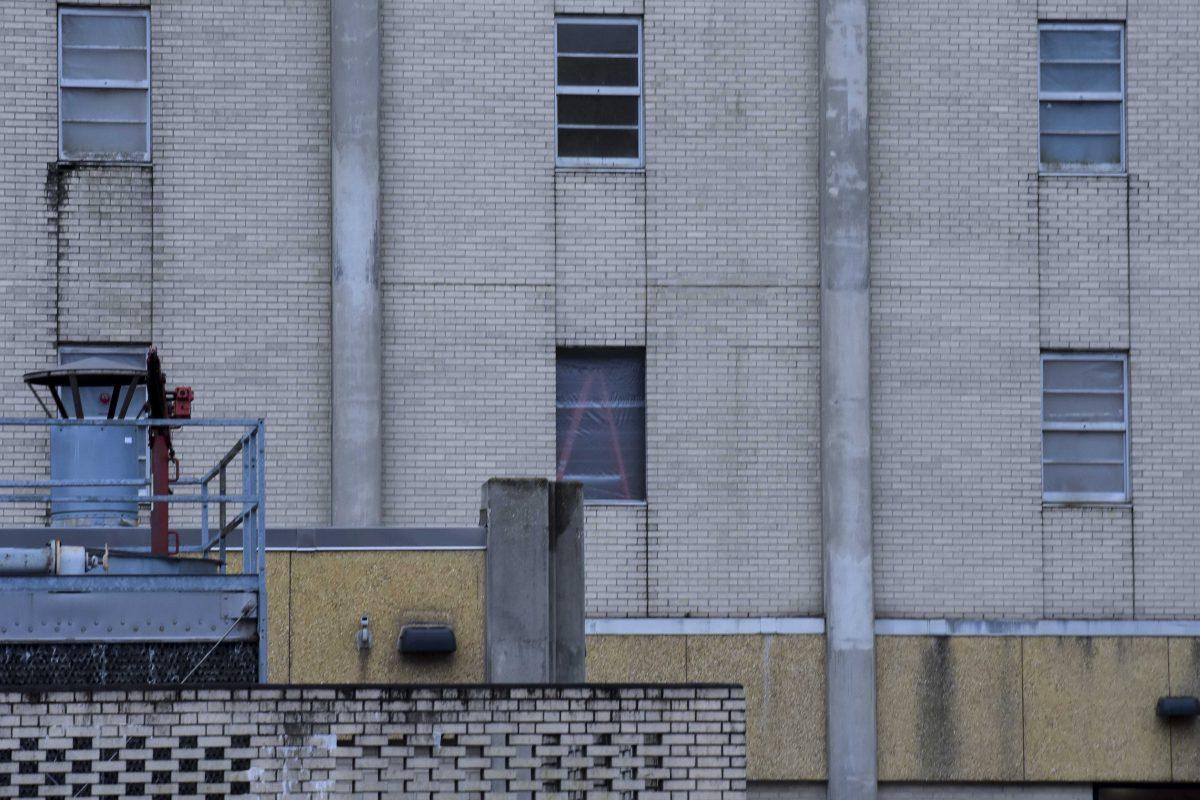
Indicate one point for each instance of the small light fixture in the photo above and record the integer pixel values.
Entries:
(1170, 708)
(362, 640)
(427, 640)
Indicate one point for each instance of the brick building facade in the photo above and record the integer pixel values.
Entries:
(704, 257)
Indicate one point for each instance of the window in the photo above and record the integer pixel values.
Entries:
(599, 91)
(602, 422)
(1085, 428)
(103, 84)
(1082, 97)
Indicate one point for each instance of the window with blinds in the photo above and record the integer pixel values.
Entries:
(1082, 97)
(1085, 427)
(104, 84)
(598, 91)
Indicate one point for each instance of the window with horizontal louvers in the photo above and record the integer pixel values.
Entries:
(599, 91)
(601, 422)
(1085, 428)
(1082, 97)
(104, 84)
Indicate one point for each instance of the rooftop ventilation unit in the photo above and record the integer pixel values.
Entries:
(153, 605)
(105, 460)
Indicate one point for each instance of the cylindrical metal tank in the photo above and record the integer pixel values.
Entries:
(110, 391)
(112, 451)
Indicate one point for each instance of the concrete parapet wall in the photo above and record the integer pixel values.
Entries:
(1002, 709)
(315, 601)
(365, 741)
(1034, 709)
(783, 676)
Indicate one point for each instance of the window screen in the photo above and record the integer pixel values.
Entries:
(602, 422)
(1085, 428)
(1082, 94)
(104, 84)
(599, 91)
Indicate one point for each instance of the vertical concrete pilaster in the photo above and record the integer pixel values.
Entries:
(357, 407)
(534, 592)
(569, 587)
(518, 621)
(845, 401)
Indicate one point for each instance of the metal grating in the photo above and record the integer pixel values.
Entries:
(127, 663)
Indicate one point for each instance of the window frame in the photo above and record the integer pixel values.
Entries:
(83, 83)
(589, 91)
(607, 350)
(1087, 498)
(1077, 97)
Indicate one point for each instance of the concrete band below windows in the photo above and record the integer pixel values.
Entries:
(802, 626)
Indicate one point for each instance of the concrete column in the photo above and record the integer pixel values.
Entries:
(566, 559)
(518, 621)
(846, 401)
(357, 478)
(534, 593)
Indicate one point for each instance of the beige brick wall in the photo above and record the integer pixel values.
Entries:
(955, 308)
(469, 395)
(28, 201)
(368, 742)
(1085, 10)
(1164, 133)
(600, 258)
(1083, 262)
(105, 224)
(615, 561)
(467, 252)
(241, 229)
(731, 157)
(707, 257)
(1088, 563)
(734, 503)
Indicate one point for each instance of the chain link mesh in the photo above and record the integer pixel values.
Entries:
(126, 663)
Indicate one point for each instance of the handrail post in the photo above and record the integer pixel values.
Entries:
(248, 556)
(260, 514)
(261, 544)
(221, 484)
(204, 514)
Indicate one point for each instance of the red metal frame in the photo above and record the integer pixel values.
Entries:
(175, 405)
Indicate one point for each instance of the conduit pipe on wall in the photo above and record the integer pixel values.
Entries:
(846, 401)
(357, 332)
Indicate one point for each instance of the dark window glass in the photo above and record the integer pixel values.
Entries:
(1082, 97)
(597, 144)
(582, 71)
(1081, 78)
(579, 109)
(601, 422)
(578, 37)
(1064, 151)
(1067, 117)
(1081, 44)
(104, 85)
(1084, 429)
(598, 80)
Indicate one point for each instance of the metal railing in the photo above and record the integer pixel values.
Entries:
(249, 505)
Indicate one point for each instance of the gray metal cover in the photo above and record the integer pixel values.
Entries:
(105, 452)
(111, 616)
